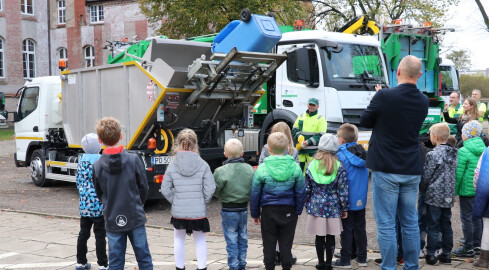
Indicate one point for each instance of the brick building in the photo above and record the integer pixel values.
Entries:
(35, 34)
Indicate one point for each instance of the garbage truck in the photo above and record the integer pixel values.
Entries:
(211, 88)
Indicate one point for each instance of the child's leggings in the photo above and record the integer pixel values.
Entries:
(179, 248)
(485, 234)
(325, 242)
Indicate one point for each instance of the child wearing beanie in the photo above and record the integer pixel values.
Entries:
(326, 198)
(467, 159)
(90, 206)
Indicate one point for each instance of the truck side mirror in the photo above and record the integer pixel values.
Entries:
(302, 67)
(16, 117)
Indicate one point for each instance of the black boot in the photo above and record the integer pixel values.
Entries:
(202, 268)
(180, 268)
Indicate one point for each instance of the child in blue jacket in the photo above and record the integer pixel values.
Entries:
(90, 206)
(354, 235)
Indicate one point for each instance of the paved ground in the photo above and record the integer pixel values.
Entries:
(29, 241)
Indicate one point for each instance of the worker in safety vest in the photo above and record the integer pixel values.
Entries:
(454, 109)
(481, 106)
(307, 130)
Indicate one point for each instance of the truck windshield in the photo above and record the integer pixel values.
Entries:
(354, 63)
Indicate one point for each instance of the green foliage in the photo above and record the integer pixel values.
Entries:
(6, 134)
(461, 58)
(471, 82)
(186, 18)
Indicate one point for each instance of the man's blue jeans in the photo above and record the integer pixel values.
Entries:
(234, 226)
(395, 194)
(422, 222)
(118, 244)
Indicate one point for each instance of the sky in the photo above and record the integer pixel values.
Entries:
(467, 21)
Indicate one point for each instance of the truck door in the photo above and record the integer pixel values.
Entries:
(299, 79)
(27, 120)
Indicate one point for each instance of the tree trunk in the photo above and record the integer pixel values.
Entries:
(484, 14)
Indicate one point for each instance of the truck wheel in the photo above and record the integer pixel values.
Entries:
(245, 15)
(38, 173)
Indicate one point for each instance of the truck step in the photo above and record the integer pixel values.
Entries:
(61, 177)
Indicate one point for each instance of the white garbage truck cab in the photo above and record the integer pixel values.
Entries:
(340, 70)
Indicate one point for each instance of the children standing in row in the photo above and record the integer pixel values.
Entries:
(90, 206)
(120, 182)
(438, 187)
(278, 189)
(233, 188)
(326, 199)
(468, 157)
(354, 234)
(188, 186)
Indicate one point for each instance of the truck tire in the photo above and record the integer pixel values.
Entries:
(38, 172)
(245, 15)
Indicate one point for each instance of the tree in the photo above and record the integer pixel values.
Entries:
(461, 59)
(186, 18)
(484, 14)
(335, 13)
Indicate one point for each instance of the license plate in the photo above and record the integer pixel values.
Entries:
(161, 160)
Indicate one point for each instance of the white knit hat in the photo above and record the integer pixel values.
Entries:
(90, 144)
(329, 143)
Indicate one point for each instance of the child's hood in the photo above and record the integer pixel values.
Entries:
(446, 154)
(280, 168)
(187, 163)
(475, 145)
(355, 154)
(113, 163)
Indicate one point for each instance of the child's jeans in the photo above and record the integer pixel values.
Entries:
(472, 228)
(439, 221)
(354, 235)
(84, 235)
(278, 222)
(118, 245)
(234, 226)
(422, 222)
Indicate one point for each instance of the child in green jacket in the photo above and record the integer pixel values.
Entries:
(468, 157)
(233, 188)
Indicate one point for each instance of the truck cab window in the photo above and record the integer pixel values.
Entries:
(29, 101)
(303, 67)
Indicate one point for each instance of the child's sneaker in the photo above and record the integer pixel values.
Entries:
(421, 254)
(400, 261)
(103, 267)
(462, 252)
(340, 264)
(477, 250)
(361, 263)
(378, 261)
(444, 259)
(80, 266)
(431, 259)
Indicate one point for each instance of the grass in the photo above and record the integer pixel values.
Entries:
(6, 134)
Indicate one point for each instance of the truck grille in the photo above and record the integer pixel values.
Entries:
(352, 116)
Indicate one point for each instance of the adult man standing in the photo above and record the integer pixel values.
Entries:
(312, 126)
(481, 106)
(454, 109)
(395, 116)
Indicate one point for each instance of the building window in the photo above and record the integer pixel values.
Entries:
(89, 56)
(61, 12)
(28, 60)
(27, 7)
(97, 14)
(2, 69)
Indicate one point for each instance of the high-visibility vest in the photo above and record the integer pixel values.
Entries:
(309, 126)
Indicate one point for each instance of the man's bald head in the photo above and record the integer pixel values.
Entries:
(409, 69)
